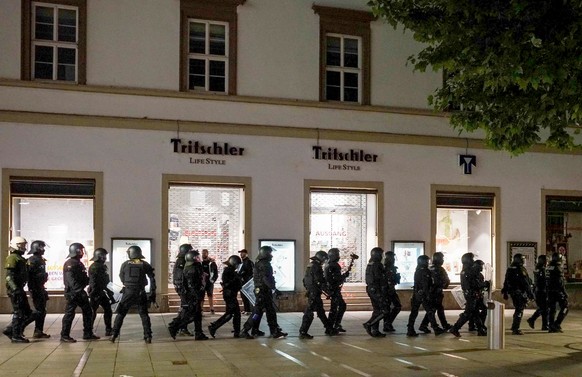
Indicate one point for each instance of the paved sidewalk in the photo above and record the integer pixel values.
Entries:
(354, 353)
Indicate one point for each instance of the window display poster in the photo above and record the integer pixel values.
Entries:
(283, 262)
(118, 255)
(406, 254)
(528, 250)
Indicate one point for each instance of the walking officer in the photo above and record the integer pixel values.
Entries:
(76, 279)
(99, 293)
(335, 280)
(517, 284)
(541, 294)
(441, 282)
(16, 277)
(423, 286)
(231, 285)
(376, 287)
(314, 283)
(556, 293)
(134, 274)
(37, 278)
(472, 288)
(393, 305)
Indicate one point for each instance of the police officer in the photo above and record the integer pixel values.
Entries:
(264, 286)
(541, 293)
(335, 279)
(517, 284)
(99, 293)
(485, 286)
(246, 274)
(231, 284)
(393, 304)
(37, 277)
(376, 287)
(16, 277)
(177, 278)
(76, 279)
(192, 290)
(314, 283)
(441, 282)
(423, 286)
(471, 287)
(134, 274)
(556, 293)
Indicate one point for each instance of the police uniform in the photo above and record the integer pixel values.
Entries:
(376, 287)
(76, 279)
(423, 286)
(99, 294)
(393, 305)
(231, 285)
(37, 277)
(16, 278)
(556, 295)
(314, 283)
(337, 307)
(517, 284)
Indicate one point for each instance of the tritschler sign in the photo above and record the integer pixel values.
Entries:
(335, 155)
(206, 153)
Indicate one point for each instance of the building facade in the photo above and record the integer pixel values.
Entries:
(231, 124)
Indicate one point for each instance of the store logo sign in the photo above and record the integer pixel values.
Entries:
(334, 154)
(203, 150)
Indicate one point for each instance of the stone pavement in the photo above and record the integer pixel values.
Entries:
(354, 353)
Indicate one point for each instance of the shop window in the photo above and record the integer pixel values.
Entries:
(346, 220)
(564, 232)
(59, 212)
(54, 40)
(464, 223)
(208, 217)
(344, 54)
(208, 45)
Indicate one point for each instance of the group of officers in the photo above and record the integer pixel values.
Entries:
(323, 276)
(87, 291)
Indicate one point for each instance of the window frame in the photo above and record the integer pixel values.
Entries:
(342, 69)
(28, 44)
(347, 23)
(213, 11)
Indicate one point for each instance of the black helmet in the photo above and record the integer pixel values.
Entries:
(467, 259)
(556, 257)
(321, 256)
(333, 254)
(37, 247)
(100, 254)
(478, 265)
(134, 252)
(518, 259)
(389, 258)
(184, 248)
(191, 256)
(76, 250)
(233, 261)
(422, 261)
(265, 252)
(542, 259)
(376, 254)
(438, 258)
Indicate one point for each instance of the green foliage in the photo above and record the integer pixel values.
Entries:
(513, 67)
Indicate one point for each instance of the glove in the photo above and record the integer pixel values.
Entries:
(505, 296)
(487, 285)
(152, 297)
(277, 293)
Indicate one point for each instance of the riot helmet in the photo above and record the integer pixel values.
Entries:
(333, 255)
(389, 258)
(438, 259)
(265, 252)
(233, 261)
(191, 257)
(376, 254)
(321, 256)
(76, 250)
(422, 261)
(556, 257)
(184, 248)
(518, 259)
(19, 244)
(37, 247)
(467, 259)
(478, 265)
(134, 252)
(542, 259)
(100, 254)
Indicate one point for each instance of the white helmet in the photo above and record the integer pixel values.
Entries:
(17, 241)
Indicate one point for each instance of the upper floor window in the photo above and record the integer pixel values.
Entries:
(54, 40)
(208, 45)
(344, 54)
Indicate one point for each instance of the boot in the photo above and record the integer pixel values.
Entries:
(38, 334)
(411, 332)
(212, 329)
(424, 329)
(531, 322)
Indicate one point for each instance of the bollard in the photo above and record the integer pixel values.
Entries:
(496, 325)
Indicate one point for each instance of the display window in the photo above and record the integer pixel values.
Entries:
(58, 212)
